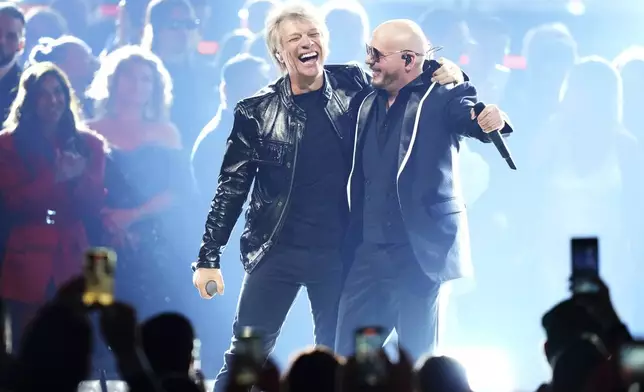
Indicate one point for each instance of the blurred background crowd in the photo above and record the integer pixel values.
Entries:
(156, 83)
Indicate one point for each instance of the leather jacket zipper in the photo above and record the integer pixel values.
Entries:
(280, 222)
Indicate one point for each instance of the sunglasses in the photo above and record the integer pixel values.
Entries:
(376, 54)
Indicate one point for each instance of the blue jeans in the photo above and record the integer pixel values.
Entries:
(268, 293)
(386, 287)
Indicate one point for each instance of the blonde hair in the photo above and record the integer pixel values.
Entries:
(292, 11)
(112, 66)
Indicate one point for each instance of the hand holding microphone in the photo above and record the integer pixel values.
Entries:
(209, 282)
(491, 121)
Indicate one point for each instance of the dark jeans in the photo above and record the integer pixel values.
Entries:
(386, 287)
(268, 293)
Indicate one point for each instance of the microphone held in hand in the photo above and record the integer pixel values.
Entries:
(497, 139)
(211, 288)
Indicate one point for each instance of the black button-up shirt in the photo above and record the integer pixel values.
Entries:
(382, 218)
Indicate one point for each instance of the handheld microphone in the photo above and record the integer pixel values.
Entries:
(497, 139)
(211, 288)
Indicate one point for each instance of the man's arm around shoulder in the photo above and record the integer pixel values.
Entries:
(235, 179)
(459, 103)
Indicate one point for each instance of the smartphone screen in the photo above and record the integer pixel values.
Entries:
(369, 341)
(99, 268)
(251, 347)
(585, 256)
(251, 357)
(631, 362)
(368, 346)
(584, 265)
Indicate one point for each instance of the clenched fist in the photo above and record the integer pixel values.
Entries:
(202, 276)
(491, 118)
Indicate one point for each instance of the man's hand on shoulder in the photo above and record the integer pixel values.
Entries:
(448, 73)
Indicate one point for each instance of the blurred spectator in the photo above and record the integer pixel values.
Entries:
(587, 167)
(84, 21)
(12, 29)
(12, 42)
(486, 58)
(130, 23)
(75, 59)
(51, 179)
(395, 377)
(254, 13)
(550, 51)
(42, 23)
(231, 45)
(172, 34)
(583, 333)
(448, 29)
(256, 47)
(242, 76)
(167, 340)
(631, 66)
(314, 370)
(147, 178)
(171, 30)
(442, 374)
(349, 31)
(203, 11)
(56, 332)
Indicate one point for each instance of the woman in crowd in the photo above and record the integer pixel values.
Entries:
(148, 179)
(51, 180)
(75, 58)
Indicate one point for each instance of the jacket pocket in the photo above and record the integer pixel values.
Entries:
(270, 152)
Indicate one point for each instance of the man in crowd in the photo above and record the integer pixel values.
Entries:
(241, 77)
(174, 37)
(294, 141)
(12, 42)
(408, 217)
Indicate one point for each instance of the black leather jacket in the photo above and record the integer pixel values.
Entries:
(263, 146)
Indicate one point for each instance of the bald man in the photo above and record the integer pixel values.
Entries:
(408, 222)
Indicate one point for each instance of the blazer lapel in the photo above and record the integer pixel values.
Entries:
(407, 127)
(363, 116)
(410, 125)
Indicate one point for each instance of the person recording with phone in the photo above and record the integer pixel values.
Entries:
(588, 346)
(51, 179)
(408, 222)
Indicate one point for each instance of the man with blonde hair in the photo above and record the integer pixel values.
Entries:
(293, 140)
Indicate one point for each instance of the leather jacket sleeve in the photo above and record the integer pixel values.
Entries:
(235, 179)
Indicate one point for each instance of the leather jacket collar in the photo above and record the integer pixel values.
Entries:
(286, 93)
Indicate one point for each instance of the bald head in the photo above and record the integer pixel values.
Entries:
(397, 54)
(400, 34)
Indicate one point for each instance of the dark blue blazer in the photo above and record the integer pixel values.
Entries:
(429, 185)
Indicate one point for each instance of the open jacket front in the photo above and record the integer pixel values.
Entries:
(428, 181)
(263, 147)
